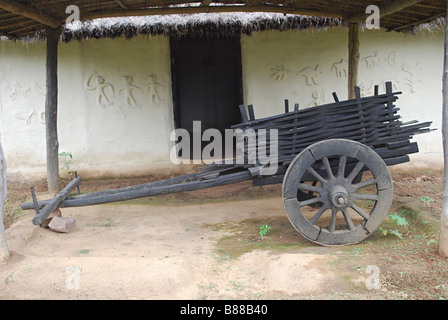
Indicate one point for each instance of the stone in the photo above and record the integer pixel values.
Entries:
(63, 225)
(55, 213)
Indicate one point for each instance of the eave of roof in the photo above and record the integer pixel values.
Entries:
(27, 18)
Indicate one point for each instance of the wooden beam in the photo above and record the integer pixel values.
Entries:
(208, 9)
(4, 250)
(51, 109)
(418, 22)
(121, 4)
(443, 234)
(9, 35)
(390, 7)
(353, 59)
(29, 12)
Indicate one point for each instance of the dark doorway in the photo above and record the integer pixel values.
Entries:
(207, 82)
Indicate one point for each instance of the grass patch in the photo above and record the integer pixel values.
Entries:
(244, 237)
(83, 251)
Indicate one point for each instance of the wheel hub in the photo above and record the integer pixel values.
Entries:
(339, 196)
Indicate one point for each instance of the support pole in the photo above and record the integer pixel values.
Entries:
(443, 237)
(4, 251)
(353, 59)
(51, 109)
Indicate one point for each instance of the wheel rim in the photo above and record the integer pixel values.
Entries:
(340, 208)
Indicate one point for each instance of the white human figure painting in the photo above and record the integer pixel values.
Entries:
(104, 91)
(127, 90)
(153, 88)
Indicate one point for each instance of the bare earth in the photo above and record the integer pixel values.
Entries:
(211, 249)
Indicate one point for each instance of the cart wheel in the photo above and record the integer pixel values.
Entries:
(341, 208)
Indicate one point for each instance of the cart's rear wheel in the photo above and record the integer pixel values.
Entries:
(339, 209)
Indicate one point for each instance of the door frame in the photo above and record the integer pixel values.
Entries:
(174, 72)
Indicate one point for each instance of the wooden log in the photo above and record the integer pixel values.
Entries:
(443, 234)
(251, 112)
(286, 106)
(4, 250)
(54, 203)
(171, 181)
(146, 192)
(243, 113)
(51, 109)
(353, 58)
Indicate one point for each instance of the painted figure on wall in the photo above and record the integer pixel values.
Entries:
(153, 88)
(104, 91)
(127, 90)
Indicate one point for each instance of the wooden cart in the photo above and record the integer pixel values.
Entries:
(332, 161)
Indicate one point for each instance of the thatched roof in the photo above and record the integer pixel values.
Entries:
(26, 18)
(197, 25)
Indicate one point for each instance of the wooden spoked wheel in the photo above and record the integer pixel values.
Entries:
(349, 192)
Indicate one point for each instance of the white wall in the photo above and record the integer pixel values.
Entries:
(113, 128)
(120, 137)
(307, 66)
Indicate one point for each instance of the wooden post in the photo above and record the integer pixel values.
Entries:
(443, 237)
(353, 59)
(4, 251)
(51, 109)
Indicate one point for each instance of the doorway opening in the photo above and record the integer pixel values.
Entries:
(207, 83)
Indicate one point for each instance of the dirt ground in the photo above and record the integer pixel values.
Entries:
(206, 245)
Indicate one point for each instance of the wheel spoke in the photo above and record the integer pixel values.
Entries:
(309, 202)
(341, 168)
(360, 211)
(328, 168)
(333, 219)
(318, 214)
(337, 192)
(347, 218)
(307, 187)
(366, 183)
(355, 171)
(365, 196)
(316, 175)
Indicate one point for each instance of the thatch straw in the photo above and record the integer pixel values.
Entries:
(198, 25)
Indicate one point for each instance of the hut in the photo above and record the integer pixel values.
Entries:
(110, 88)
